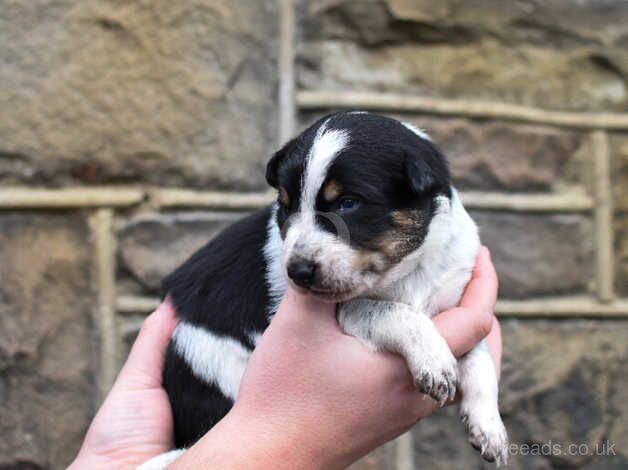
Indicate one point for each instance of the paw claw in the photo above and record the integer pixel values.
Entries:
(440, 385)
(487, 435)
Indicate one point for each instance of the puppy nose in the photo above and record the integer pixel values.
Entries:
(302, 272)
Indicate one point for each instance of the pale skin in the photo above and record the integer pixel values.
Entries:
(312, 397)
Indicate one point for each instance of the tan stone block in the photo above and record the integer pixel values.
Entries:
(48, 347)
(552, 55)
(150, 247)
(176, 93)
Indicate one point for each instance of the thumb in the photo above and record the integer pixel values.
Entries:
(144, 365)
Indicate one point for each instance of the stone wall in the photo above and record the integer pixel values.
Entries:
(133, 128)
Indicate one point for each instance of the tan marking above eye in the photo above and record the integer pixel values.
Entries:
(284, 198)
(332, 190)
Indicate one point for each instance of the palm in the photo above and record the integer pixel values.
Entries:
(135, 422)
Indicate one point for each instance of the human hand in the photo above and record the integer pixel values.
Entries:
(314, 397)
(135, 421)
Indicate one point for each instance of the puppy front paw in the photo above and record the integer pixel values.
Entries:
(486, 432)
(436, 374)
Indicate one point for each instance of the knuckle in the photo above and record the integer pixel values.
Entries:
(485, 323)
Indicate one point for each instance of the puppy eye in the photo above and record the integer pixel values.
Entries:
(347, 204)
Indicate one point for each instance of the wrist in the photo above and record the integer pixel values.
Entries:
(85, 460)
(242, 437)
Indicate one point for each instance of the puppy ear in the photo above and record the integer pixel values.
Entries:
(273, 164)
(426, 169)
(419, 175)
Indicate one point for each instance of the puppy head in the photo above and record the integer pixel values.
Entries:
(356, 194)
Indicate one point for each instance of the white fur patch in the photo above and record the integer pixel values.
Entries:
(275, 280)
(217, 360)
(420, 132)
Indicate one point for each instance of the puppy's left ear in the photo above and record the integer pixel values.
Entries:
(276, 159)
(426, 169)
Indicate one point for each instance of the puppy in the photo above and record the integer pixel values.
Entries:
(365, 217)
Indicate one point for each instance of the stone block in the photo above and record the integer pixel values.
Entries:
(621, 253)
(507, 157)
(173, 93)
(573, 54)
(538, 254)
(619, 170)
(150, 247)
(47, 340)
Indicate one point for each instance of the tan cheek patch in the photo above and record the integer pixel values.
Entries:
(406, 219)
(369, 261)
(332, 190)
(389, 245)
(284, 198)
(393, 245)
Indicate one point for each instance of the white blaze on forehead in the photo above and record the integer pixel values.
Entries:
(327, 144)
(420, 132)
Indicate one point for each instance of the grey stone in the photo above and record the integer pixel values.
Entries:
(621, 253)
(508, 157)
(47, 342)
(562, 383)
(574, 55)
(150, 247)
(177, 93)
(537, 254)
(619, 170)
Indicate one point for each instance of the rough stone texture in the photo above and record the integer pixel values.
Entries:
(46, 339)
(562, 383)
(162, 92)
(621, 252)
(150, 247)
(554, 54)
(502, 156)
(538, 254)
(619, 162)
(619, 170)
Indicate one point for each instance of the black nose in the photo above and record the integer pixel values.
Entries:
(302, 273)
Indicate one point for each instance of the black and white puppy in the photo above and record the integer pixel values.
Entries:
(365, 217)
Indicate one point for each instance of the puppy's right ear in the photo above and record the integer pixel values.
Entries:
(275, 161)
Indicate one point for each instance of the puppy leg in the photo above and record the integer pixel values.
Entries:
(162, 461)
(479, 410)
(397, 328)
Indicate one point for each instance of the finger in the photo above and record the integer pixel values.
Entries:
(145, 362)
(481, 291)
(463, 328)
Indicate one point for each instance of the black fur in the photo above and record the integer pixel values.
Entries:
(222, 288)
